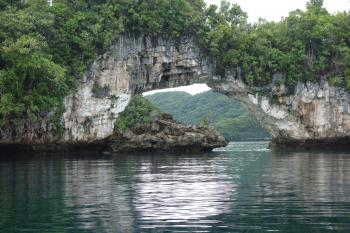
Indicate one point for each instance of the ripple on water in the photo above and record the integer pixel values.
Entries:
(241, 188)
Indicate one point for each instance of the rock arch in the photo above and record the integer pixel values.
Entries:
(311, 113)
(131, 66)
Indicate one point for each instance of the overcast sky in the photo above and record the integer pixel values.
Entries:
(192, 89)
(275, 9)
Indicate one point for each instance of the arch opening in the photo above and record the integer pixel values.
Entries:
(197, 104)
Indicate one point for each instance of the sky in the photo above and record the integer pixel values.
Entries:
(272, 10)
(192, 89)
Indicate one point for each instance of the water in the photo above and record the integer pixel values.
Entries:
(241, 188)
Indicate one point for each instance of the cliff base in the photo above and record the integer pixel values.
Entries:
(315, 144)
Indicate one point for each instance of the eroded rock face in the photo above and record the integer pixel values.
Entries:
(310, 114)
(27, 132)
(165, 134)
(130, 66)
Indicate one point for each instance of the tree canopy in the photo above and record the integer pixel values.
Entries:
(306, 45)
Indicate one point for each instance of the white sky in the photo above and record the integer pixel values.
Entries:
(192, 89)
(272, 10)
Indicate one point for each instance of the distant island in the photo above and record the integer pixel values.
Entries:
(228, 116)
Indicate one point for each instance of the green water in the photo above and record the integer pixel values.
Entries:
(242, 188)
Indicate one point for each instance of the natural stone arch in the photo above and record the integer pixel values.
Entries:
(312, 112)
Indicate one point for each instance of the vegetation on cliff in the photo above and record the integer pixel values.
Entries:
(44, 49)
(136, 112)
(229, 117)
(303, 46)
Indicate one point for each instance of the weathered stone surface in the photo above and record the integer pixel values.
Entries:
(167, 116)
(167, 135)
(314, 113)
(132, 65)
(154, 116)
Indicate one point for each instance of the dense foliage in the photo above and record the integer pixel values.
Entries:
(137, 112)
(306, 45)
(31, 83)
(227, 116)
(44, 49)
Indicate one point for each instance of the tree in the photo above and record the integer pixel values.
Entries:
(30, 81)
(10, 3)
(314, 4)
(233, 14)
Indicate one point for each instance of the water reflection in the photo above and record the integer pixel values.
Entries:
(294, 192)
(31, 196)
(242, 188)
(318, 177)
(100, 201)
(186, 190)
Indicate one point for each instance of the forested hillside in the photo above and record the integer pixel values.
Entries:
(226, 115)
(44, 50)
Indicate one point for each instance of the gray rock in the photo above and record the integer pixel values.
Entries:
(171, 136)
(166, 130)
(154, 116)
(167, 116)
(128, 134)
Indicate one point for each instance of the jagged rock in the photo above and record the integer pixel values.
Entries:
(169, 63)
(154, 127)
(166, 130)
(128, 134)
(174, 136)
(314, 114)
(167, 116)
(154, 116)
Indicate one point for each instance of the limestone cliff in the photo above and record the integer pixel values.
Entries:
(132, 65)
(306, 113)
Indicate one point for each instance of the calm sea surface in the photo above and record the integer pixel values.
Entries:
(241, 188)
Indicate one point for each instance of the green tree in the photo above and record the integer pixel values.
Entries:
(31, 83)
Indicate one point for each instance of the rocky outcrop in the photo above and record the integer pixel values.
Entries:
(307, 115)
(163, 133)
